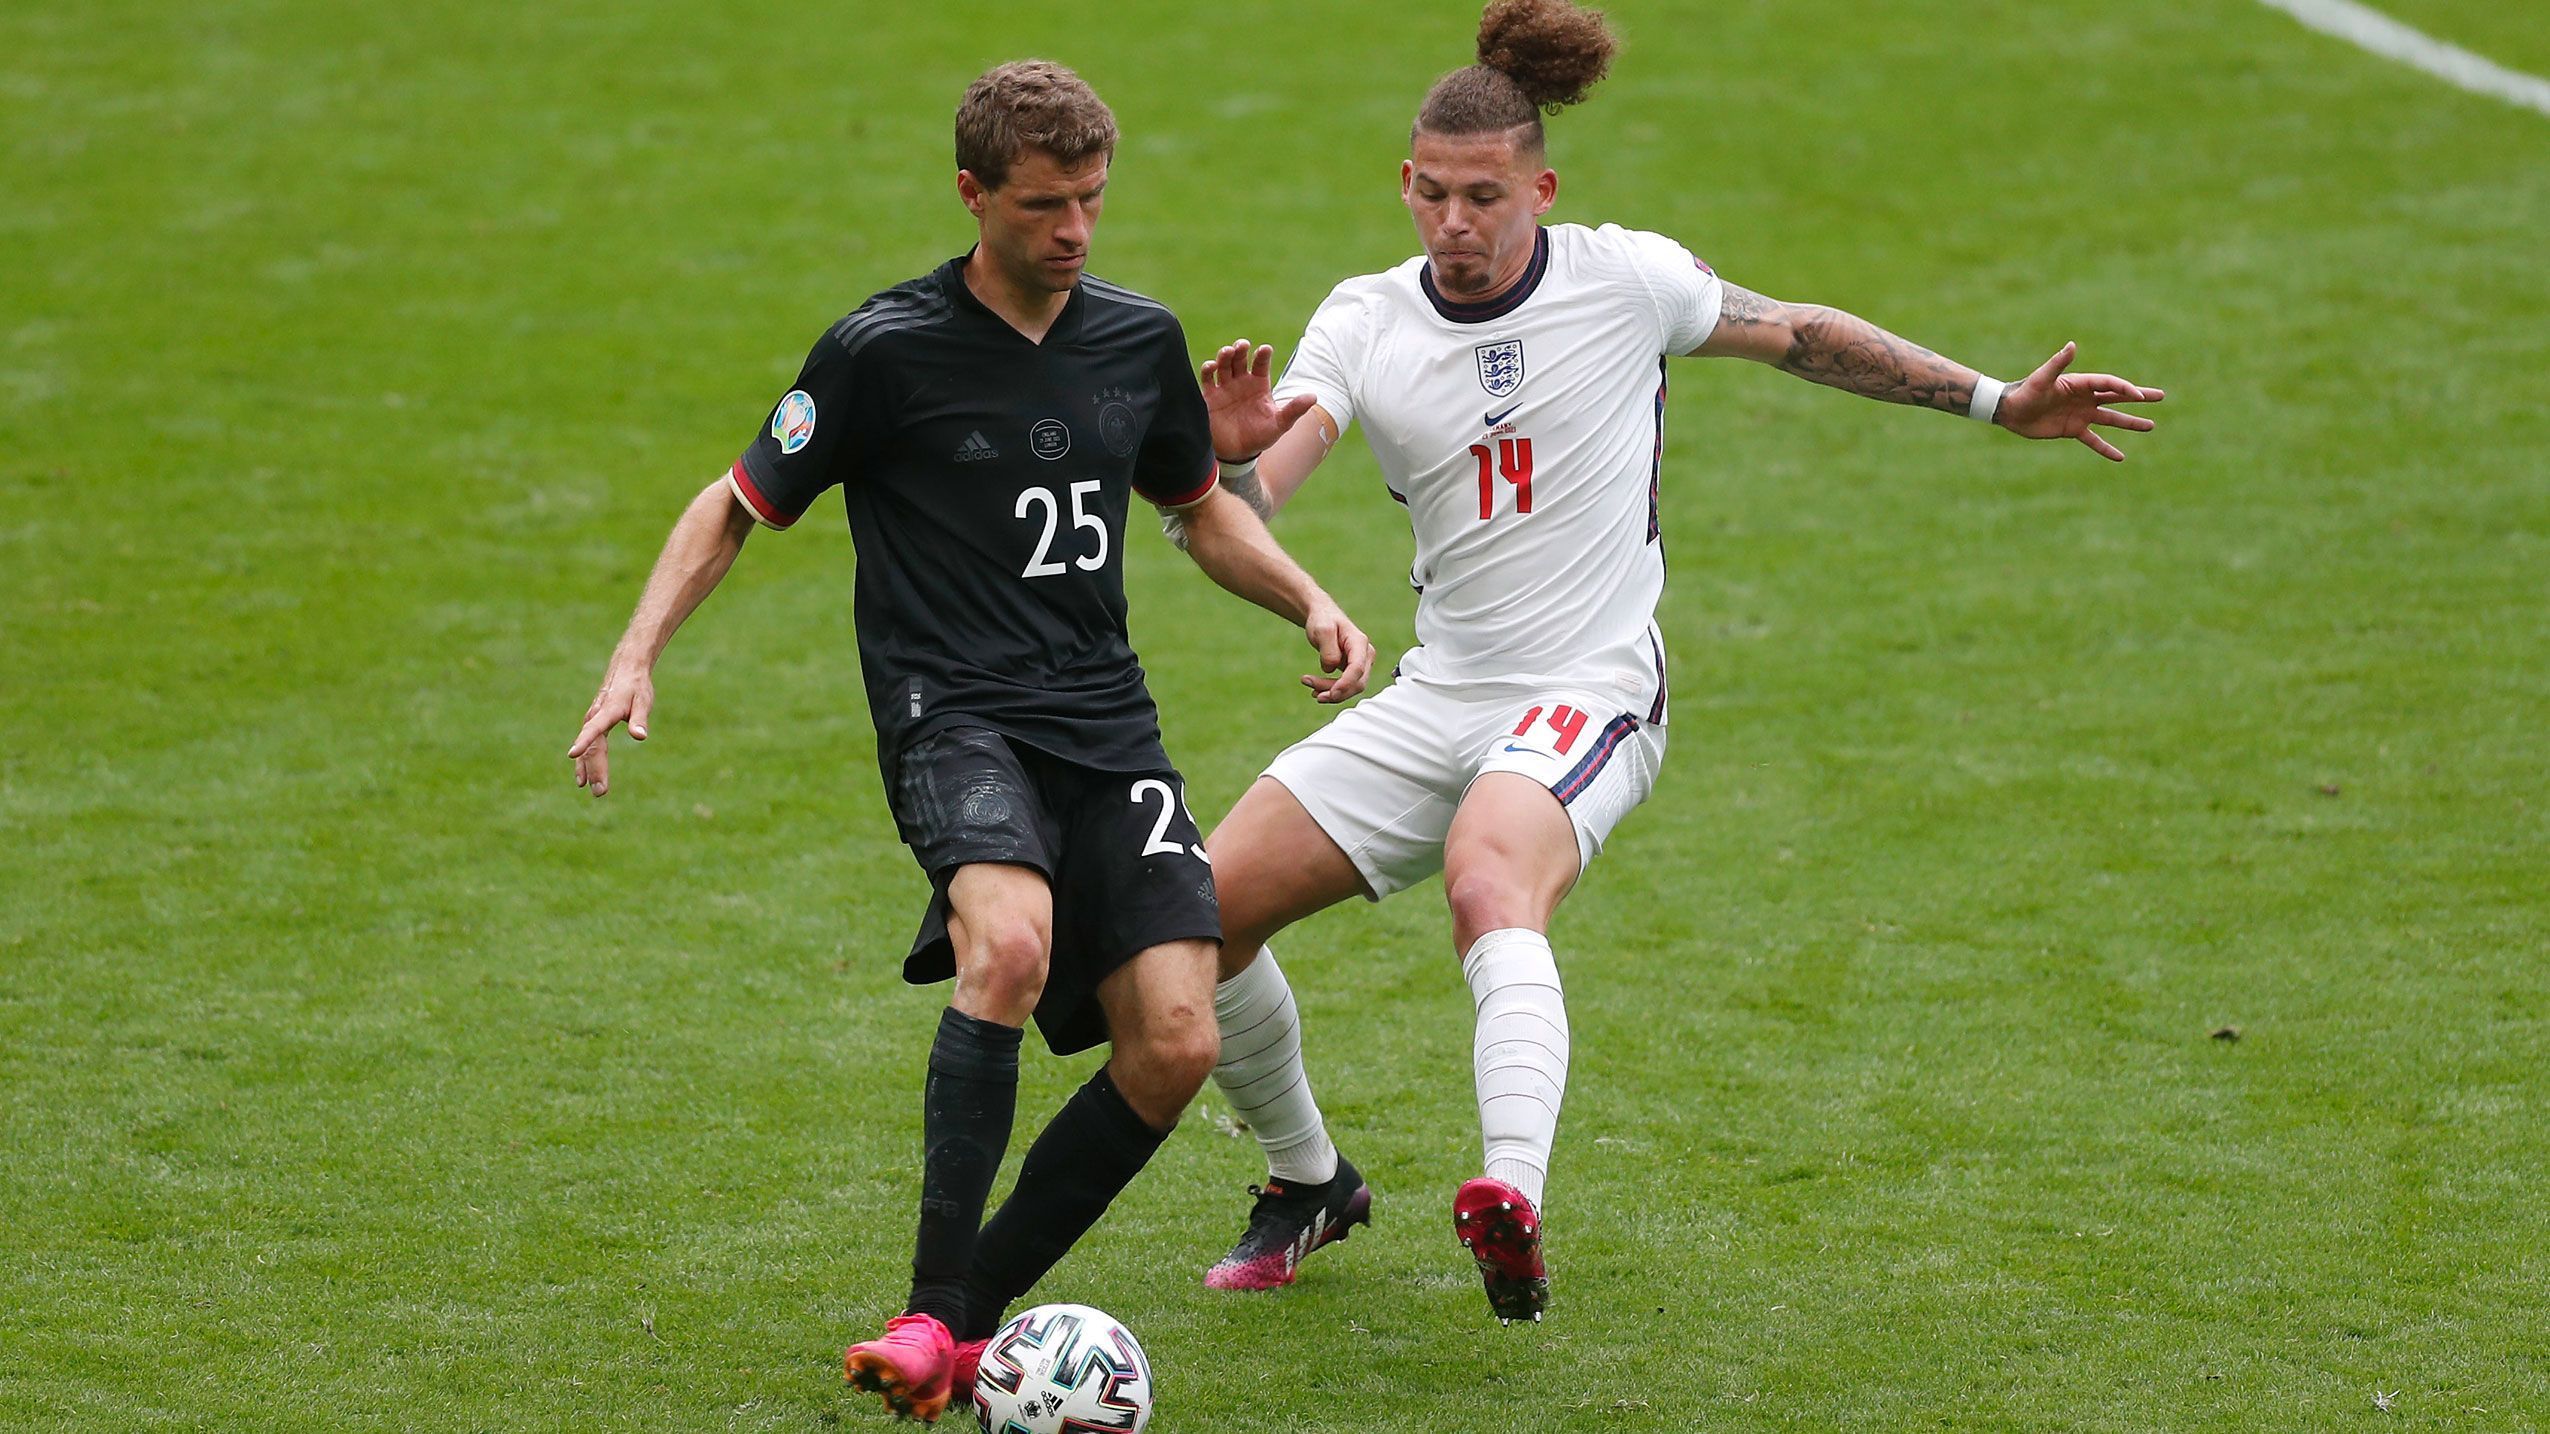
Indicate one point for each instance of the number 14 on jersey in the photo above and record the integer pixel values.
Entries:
(1510, 459)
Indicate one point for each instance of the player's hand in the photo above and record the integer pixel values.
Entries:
(625, 697)
(1239, 398)
(1343, 649)
(2050, 403)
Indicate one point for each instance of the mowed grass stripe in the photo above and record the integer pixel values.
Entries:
(2378, 33)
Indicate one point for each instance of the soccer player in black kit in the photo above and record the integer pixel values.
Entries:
(987, 424)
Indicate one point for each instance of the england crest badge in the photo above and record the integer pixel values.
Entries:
(1501, 367)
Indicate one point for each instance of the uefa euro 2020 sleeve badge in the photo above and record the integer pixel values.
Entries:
(793, 421)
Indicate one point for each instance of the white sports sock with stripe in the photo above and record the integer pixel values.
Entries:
(1518, 1053)
(1262, 1076)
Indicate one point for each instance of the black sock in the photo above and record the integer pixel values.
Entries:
(1092, 1149)
(966, 1110)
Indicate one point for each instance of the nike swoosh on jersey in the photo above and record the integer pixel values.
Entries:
(1494, 419)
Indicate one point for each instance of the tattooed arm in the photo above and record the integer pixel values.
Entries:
(1837, 350)
(1847, 352)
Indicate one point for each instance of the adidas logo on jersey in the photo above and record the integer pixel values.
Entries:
(975, 448)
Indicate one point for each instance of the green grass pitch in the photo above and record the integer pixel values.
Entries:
(357, 1072)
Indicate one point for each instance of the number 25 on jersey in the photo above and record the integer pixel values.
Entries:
(1511, 459)
(1043, 566)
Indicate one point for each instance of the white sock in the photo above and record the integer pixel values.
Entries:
(1518, 1054)
(1262, 1076)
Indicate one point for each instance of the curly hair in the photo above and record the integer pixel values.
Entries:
(1029, 104)
(1536, 57)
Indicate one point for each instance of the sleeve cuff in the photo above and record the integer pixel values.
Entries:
(740, 479)
(1339, 408)
(1193, 496)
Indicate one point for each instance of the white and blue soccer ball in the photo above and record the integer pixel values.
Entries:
(1062, 1369)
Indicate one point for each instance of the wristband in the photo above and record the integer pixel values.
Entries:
(1240, 468)
(1987, 399)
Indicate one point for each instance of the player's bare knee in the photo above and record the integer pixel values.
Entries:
(1477, 896)
(1187, 1059)
(1004, 966)
(1158, 1076)
(1483, 899)
(1174, 1055)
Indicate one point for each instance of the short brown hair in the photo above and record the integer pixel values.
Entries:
(1535, 57)
(1029, 104)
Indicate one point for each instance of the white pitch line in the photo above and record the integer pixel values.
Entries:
(2370, 29)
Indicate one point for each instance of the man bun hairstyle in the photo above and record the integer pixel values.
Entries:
(1536, 57)
(1029, 104)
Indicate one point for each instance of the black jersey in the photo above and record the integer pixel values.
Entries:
(987, 478)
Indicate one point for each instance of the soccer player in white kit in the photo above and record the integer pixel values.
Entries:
(1511, 382)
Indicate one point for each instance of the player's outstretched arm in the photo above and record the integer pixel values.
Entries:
(703, 545)
(1239, 397)
(1230, 542)
(1847, 352)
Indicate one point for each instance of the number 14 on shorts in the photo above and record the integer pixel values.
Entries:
(1567, 722)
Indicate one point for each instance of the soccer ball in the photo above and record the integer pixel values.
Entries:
(1061, 1369)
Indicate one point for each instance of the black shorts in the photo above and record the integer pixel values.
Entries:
(1123, 856)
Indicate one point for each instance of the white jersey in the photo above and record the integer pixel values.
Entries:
(1525, 436)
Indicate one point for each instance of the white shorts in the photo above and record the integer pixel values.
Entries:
(1384, 779)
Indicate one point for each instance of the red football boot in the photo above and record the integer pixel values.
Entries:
(967, 1367)
(911, 1364)
(1502, 1231)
